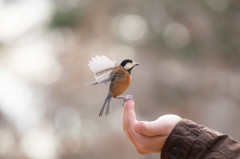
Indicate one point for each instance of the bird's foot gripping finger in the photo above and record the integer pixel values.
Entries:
(128, 97)
(125, 98)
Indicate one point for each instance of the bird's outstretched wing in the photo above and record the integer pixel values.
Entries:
(102, 68)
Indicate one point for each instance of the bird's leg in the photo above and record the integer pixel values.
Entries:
(125, 98)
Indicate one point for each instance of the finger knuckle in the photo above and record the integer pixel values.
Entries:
(145, 129)
(141, 148)
(140, 152)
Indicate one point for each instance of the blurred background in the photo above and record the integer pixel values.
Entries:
(190, 66)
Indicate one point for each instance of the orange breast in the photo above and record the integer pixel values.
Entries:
(120, 85)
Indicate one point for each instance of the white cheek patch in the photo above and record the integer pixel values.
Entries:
(128, 66)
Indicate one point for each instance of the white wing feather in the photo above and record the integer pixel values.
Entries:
(102, 68)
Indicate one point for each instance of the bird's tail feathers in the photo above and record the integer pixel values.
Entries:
(107, 103)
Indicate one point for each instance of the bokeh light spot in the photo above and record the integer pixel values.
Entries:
(176, 35)
(18, 18)
(40, 143)
(131, 28)
(17, 102)
(68, 122)
(36, 62)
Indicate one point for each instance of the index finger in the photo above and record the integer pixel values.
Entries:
(129, 114)
(128, 119)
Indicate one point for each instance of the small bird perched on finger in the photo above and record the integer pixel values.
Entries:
(106, 70)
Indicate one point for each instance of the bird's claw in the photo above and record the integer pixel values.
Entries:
(128, 97)
(125, 98)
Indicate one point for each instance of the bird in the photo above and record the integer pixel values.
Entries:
(119, 75)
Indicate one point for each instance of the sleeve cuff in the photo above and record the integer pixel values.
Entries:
(181, 139)
(189, 140)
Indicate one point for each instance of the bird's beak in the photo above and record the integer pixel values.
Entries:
(136, 64)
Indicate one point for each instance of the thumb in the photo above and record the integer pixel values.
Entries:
(146, 128)
(160, 127)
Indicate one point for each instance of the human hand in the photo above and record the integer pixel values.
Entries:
(147, 137)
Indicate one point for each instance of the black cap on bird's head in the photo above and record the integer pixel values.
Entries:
(124, 62)
(128, 64)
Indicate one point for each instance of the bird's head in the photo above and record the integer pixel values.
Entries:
(128, 64)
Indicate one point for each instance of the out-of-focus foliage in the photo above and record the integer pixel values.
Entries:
(65, 19)
(189, 53)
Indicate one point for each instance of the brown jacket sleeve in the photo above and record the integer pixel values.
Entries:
(191, 141)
